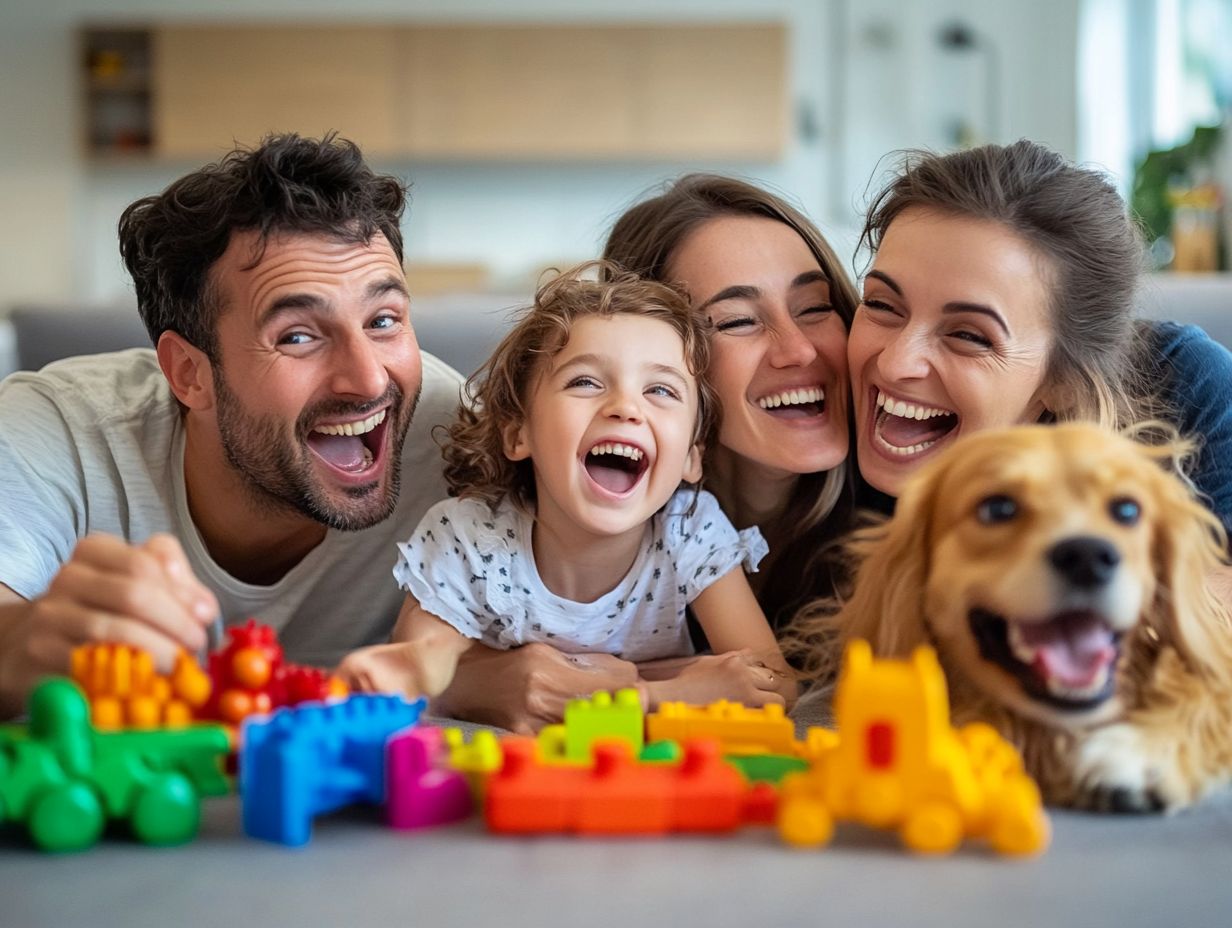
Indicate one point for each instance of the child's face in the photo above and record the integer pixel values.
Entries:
(610, 423)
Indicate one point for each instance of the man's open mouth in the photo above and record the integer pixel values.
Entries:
(616, 466)
(904, 428)
(1068, 661)
(800, 403)
(353, 448)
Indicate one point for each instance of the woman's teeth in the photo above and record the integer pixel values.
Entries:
(908, 410)
(353, 428)
(896, 437)
(625, 451)
(909, 450)
(792, 398)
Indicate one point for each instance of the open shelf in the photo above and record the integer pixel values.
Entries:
(116, 86)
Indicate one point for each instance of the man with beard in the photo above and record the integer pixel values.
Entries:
(262, 460)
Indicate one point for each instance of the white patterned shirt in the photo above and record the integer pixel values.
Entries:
(473, 567)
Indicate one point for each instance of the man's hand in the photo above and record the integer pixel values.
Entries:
(107, 591)
(738, 676)
(526, 688)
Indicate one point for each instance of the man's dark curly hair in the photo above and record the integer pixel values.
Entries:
(288, 183)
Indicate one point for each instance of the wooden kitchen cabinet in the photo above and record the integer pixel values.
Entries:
(473, 92)
(217, 85)
(596, 92)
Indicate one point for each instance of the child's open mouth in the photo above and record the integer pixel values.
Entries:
(351, 448)
(616, 466)
(904, 429)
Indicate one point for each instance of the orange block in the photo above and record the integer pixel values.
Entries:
(125, 691)
(618, 795)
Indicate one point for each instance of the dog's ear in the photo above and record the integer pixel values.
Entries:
(887, 605)
(1188, 552)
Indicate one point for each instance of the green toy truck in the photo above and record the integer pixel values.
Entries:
(65, 780)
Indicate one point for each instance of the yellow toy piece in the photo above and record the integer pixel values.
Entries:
(738, 729)
(896, 762)
(125, 691)
(476, 759)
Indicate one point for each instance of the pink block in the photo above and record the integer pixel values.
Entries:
(419, 794)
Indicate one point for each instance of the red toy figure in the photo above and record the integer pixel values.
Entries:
(250, 676)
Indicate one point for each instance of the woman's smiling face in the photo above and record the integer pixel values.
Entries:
(778, 350)
(952, 336)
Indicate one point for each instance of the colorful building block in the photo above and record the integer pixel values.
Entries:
(420, 791)
(251, 677)
(603, 716)
(897, 763)
(618, 795)
(125, 691)
(767, 768)
(313, 758)
(739, 729)
(65, 780)
(476, 759)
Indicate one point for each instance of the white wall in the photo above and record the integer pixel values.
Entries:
(867, 75)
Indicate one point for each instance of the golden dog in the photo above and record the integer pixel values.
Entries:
(1061, 574)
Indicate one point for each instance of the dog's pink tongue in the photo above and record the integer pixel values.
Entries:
(1072, 651)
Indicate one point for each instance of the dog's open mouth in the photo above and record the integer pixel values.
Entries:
(1067, 661)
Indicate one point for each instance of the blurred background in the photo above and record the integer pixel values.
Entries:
(526, 126)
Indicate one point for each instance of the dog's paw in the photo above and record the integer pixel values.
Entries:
(1114, 773)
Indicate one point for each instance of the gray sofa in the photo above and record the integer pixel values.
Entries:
(1203, 299)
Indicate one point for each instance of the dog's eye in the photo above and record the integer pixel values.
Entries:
(994, 509)
(1125, 510)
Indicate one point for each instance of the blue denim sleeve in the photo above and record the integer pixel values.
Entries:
(1198, 386)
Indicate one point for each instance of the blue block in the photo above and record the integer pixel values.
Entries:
(313, 758)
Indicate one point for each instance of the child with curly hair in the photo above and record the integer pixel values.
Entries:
(574, 517)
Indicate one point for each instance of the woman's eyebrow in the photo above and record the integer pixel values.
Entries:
(810, 277)
(959, 306)
(955, 306)
(885, 279)
(737, 292)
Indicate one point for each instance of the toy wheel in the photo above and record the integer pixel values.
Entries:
(168, 811)
(805, 823)
(933, 828)
(1020, 834)
(68, 817)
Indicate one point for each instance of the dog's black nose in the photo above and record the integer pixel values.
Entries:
(1085, 562)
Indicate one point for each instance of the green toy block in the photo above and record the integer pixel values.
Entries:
(65, 780)
(603, 716)
(766, 768)
(667, 752)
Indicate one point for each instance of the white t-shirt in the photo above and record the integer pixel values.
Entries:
(474, 568)
(96, 444)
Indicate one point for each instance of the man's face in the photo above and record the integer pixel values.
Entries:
(318, 374)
